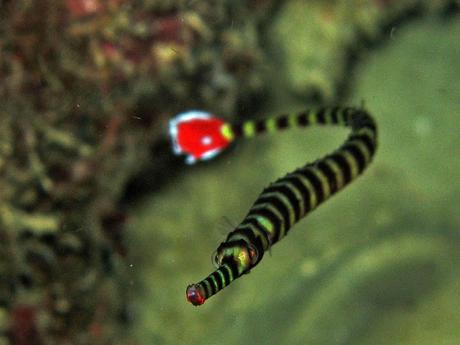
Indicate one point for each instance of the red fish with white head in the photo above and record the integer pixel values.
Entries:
(199, 135)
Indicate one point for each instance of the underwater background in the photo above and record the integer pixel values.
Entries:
(103, 228)
(377, 264)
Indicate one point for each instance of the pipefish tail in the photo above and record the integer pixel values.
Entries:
(284, 202)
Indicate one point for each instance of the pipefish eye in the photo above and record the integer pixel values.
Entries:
(253, 254)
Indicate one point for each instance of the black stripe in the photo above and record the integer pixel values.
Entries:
(282, 122)
(289, 194)
(346, 114)
(343, 165)
(357, 155)
(314, 180)
(276, 203)
(252, 221)
(302, 119)
(218, 279)
(360, 124)
(233, 268)
(206, 290)
(211, 284)
(260, 126)
(239, 230)
(368, 142)
(226, 275)
(237, 129)
(273, 218)
(371, 125)
(302, 190)
(321, 116)
(330, 175)
(361, 119)
(334, 115)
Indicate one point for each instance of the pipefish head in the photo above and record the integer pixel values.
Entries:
(244, 255)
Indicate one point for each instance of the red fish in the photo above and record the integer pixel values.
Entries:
(199, 135)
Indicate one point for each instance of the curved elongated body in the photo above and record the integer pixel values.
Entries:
(291, 197)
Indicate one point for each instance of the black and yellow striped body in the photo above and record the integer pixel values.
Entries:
(288, 199)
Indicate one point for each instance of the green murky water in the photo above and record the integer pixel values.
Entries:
(377, 264)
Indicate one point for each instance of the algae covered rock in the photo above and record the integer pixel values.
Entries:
(86, 88)
(316, 43)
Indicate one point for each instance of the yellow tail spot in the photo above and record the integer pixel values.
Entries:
(227, 132)
(249, 129)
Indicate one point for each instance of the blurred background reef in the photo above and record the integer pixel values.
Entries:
(87, 88)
